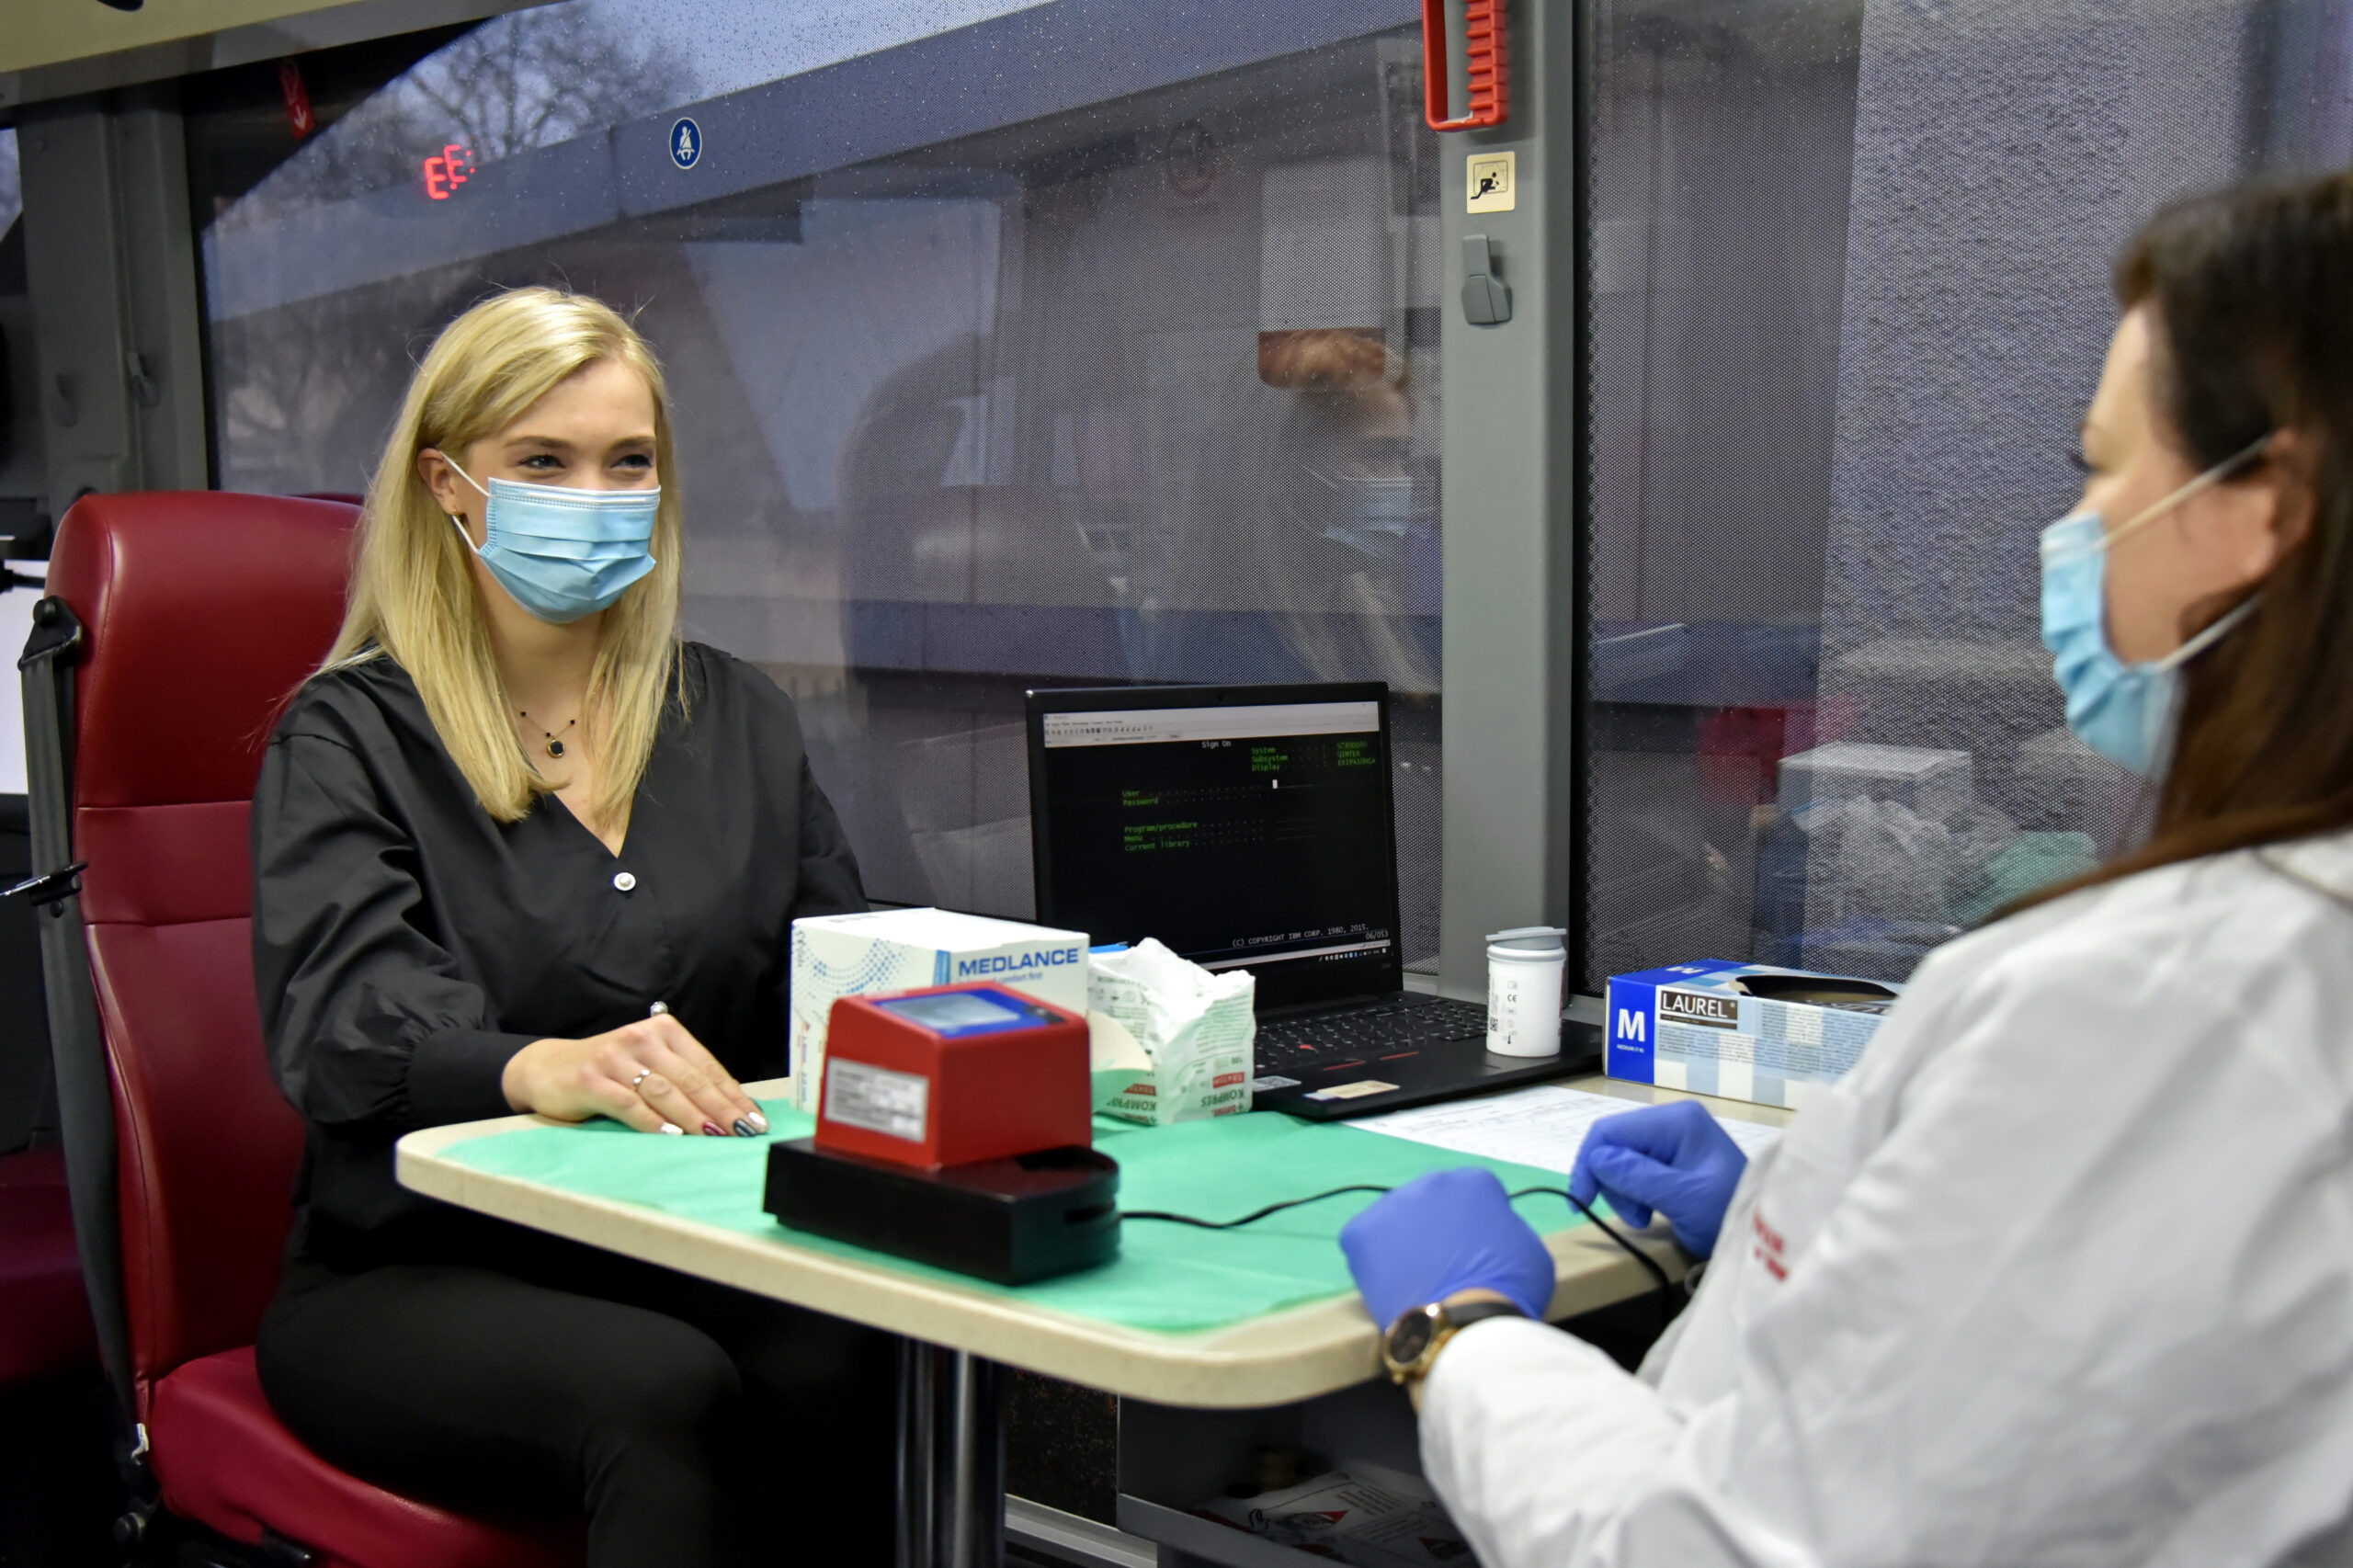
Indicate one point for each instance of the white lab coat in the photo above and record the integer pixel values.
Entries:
(2061, 1274)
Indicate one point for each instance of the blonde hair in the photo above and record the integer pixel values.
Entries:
(412, 592)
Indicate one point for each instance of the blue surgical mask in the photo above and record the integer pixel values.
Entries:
(563, 554)
(2123, 711)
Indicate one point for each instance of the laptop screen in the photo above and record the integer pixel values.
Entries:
(1244, 827)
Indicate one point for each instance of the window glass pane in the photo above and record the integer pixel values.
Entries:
(1850, 297)
(12, 196)
(1012, 346)
(24, 477)
(24, 470)
(725, 45)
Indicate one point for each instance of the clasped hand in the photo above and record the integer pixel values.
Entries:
(653, 1074)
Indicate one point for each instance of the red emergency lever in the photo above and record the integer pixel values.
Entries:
(1487, 48)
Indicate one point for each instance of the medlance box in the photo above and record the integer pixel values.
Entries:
(911, 949)
(1745, 1031)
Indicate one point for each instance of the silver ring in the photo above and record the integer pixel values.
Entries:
(642, 1074)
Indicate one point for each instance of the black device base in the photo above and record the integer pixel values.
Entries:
(1013, 1221)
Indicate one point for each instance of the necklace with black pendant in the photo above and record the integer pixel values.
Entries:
(555, 743)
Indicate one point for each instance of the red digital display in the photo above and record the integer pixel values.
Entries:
(446, 170)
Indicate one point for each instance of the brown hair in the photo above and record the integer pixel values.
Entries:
(2251, 295)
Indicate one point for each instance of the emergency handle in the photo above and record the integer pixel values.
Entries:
(1486, 46)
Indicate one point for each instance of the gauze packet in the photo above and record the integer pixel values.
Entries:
(1171, 1040)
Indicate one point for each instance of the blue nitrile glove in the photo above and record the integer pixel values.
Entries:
(1672, 1158)
(1446, 1232)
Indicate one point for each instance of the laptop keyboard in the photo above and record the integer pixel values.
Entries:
(1359, 1037)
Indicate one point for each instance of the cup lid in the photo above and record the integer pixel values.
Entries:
(1530, 939)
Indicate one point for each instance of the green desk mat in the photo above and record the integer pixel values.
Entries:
(1168, 1279)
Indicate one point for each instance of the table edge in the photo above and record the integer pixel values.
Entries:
(1296, 1353)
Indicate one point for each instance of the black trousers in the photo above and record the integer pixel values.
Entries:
(519, 1376)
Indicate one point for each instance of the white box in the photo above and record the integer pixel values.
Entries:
(1938, 785)
(907, 949)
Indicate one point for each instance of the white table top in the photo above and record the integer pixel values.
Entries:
(1282, 1357)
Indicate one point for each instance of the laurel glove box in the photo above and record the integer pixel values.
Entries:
(954, 1075)
(1742, 1031)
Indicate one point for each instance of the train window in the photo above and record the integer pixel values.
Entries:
(24, 480)
(1848, 295)
(1013, 345)
(12, 196)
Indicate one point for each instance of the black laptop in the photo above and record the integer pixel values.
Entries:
(1250, 827)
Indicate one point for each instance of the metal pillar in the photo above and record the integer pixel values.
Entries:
(1510, 486)
(951, 1460)
(111, 257)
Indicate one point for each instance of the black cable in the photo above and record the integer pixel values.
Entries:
(1665, 1285)
(1650, 1264)
(1247, 1219)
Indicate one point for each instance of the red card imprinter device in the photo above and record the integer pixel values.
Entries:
(955, 1128)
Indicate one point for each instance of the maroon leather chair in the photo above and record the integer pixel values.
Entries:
(187, 620)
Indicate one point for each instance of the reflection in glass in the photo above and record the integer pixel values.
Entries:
(515, 84)
(1848, 295)
(1092, 390)
(12, 195)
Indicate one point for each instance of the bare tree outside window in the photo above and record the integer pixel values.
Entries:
(515, 83)
(729, 44)
(523, 80)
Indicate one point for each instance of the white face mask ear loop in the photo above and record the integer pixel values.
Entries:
(2224, 624)
(460, 524)
(462, 473)
(2207, 481)
(2230, 620)
(456, 521)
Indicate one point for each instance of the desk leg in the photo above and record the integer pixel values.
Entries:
(918, 1451)
(951, 1460)
(971, 1485)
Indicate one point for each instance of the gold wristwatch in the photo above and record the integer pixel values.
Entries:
(1414, 1341)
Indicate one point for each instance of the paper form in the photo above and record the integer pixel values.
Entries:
(1542, 1126)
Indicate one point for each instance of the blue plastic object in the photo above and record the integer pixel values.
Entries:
(1443, 1233)
(1671, 1158)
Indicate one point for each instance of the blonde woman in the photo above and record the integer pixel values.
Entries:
(518, 848)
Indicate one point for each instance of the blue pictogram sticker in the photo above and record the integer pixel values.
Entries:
(685, 143)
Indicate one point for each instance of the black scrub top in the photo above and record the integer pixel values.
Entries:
(405, 945)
